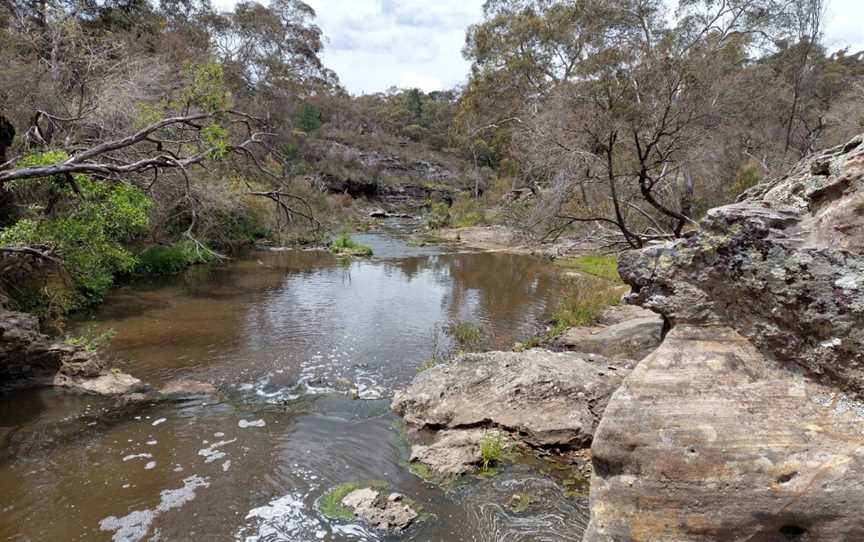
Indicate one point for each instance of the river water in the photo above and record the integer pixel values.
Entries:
(306, 350)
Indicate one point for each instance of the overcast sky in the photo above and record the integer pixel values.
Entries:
(376, 44)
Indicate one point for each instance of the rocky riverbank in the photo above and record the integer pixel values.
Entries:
(538, 400)
(746, 422)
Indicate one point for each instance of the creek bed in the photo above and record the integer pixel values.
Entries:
(306, 349)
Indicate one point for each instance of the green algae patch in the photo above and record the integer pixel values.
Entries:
(331, 503)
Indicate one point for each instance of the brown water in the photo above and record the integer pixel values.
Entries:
(306, 350)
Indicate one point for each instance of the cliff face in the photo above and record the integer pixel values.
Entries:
(746, 424)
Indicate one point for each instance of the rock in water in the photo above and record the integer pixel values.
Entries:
(185, 388)
(746, 423)
(379, 511)
(548, 398)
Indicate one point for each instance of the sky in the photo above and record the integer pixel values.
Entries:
(375, 44)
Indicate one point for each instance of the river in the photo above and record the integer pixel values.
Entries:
(306, 350)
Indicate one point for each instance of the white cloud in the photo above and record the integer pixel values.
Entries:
(376, 44)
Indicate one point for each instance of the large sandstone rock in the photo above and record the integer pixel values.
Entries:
(784, 270)
(744, 424)
(547, 398)
(632, 339)
(709, 440)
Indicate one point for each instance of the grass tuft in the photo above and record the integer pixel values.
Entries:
(604, 266)
(349, 247)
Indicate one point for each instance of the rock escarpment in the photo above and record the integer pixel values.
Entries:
(747, 424)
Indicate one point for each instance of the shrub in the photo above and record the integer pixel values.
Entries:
(491, 451)
(347, 246)
(171, 259)
(438, 216)
(87, 224)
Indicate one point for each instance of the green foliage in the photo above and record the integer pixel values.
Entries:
(466, 212)
(92, 340)
(438, 215)
(215, 137)
(600, 265)
(171, 259)
(748, 177)
(88, 224)
(204, 87)
(308, 117)
(347, 246)
(491, 451)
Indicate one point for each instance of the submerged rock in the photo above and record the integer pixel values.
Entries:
(110, 383)
(547, 398)
(746, 423)
(185, 387)
(386, 512)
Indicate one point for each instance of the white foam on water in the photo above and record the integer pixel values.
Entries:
(137, 456)
(150, 465)
(135, 525)
(160, 420)
(285, 518)
(226, 465)
(244, 424)
(212, 452)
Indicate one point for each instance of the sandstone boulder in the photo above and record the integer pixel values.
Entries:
(632, 339)
(546, 398)
(709, 440)
(29, 358)
(746, 423)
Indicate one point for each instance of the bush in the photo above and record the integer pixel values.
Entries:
(171, 259)
(87, 224)
(438, 216)
(491, 451)
(347, 246)
(466, 212)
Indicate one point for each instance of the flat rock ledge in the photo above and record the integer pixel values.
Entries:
(542, 398)
(631, 338)
(379, 510)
